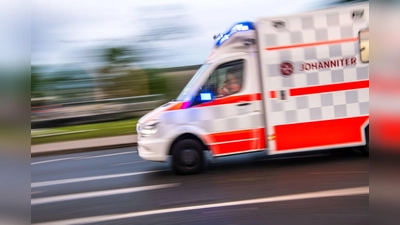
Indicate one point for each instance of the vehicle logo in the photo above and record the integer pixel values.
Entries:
(286, 68)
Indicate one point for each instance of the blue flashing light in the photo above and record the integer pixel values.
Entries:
(206, 96)
(238, 27)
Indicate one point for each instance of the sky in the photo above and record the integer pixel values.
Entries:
(62, 30)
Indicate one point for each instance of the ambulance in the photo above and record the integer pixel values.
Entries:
(278, 85)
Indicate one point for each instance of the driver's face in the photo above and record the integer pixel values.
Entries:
(230, 79)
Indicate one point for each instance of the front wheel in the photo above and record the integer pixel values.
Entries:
(187, 157)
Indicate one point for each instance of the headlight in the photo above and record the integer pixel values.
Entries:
(148, 129)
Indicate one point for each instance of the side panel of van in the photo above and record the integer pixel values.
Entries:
(315, 84)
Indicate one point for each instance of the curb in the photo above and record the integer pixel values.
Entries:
(79, 150)
(85, 145)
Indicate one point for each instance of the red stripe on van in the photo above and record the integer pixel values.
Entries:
(313, 44)
(320, 133)
(236, 141)
(329, 88)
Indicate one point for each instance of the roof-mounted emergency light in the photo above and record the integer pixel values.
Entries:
(239, 27)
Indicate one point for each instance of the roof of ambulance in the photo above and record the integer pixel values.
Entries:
(310, 12)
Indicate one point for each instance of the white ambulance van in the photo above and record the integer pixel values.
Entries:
(279, 85)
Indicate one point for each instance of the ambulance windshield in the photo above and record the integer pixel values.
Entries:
(183, 96)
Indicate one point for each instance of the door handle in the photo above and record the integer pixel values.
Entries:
(243, 104)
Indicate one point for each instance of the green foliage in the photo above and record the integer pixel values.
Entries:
(117, 56)
(36, 83)
(129, 83)
(157, 83)
(96, 130)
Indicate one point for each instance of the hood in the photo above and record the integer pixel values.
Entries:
(154, 114)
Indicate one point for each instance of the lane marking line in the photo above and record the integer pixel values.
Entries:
(54, 160)
(82, 179)
(310, 195)
(127, 163)
(70, 197)
(100, 156)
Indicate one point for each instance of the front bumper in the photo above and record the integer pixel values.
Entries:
(153, 149)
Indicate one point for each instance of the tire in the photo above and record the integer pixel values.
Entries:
(187, 157)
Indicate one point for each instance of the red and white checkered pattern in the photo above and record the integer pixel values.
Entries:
(311, 28)
(308, 38)
(333, 105)
(216, 119)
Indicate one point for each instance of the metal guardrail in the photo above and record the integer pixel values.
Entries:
(108, 108)
(135, 99)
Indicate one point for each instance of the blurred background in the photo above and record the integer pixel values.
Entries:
(97, 66)
(93, 63)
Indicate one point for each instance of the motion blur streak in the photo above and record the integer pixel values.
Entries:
(70, 197)
(385, 79)
(319, 194)
(14, 92)
(75, 180)
(385, 112)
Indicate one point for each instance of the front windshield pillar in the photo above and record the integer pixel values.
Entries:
(186, 94)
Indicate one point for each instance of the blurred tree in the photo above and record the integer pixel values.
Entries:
(131, 83)
(120, 56)
(157, 83)
(120, 75)
(36, 83)
(163, 27)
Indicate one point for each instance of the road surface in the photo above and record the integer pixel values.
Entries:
(117, 187)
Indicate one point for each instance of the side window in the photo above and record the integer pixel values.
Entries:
(364, 45)
(227, 79)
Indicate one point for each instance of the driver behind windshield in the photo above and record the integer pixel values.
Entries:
(232, 84)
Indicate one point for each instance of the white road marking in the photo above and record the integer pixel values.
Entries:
(231, 210)
(310, 195)
(120, 164)
(82, 179)
(100, 156)
(45, 200)
(53, 160)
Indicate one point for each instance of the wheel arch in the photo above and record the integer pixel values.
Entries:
(187, 135)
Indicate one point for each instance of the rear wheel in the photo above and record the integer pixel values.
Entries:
(187, 157)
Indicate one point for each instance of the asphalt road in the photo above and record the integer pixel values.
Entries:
(117, 187)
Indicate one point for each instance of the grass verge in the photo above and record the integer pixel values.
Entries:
(86, 131)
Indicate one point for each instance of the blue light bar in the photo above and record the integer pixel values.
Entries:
(206, 96)
(238, 27)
